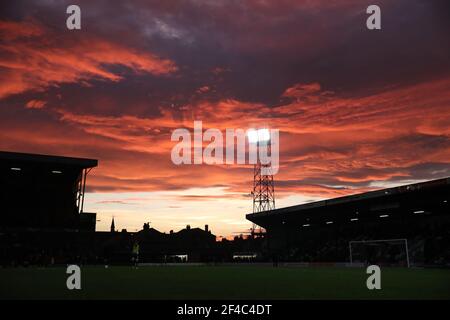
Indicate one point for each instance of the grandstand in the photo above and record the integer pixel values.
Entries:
(44, 192)
(415, 215)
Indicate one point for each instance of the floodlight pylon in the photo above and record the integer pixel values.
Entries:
(263, 187)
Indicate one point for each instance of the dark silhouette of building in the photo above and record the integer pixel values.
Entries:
(44, 192)
(194, 243)
(321, 231)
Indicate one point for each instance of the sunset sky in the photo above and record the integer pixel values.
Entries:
(356, 109)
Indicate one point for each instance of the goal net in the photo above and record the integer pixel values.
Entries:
(390, 252)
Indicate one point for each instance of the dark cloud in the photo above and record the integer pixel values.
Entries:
(353, 106)
(268, 46)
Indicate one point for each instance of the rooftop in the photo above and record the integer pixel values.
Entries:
(371, 195)
(24, 158)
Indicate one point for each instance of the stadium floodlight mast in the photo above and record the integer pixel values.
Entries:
(263, 192)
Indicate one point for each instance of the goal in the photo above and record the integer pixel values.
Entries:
(384, 251)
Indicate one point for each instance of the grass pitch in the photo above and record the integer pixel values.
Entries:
(223, 282)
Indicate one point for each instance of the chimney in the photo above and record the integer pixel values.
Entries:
(188, 227)
(206, 228)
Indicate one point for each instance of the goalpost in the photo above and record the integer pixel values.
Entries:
(383, 244)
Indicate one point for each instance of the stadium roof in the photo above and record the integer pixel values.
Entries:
(21, 158)
(372, 201)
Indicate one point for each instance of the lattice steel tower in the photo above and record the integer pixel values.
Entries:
(263, 187)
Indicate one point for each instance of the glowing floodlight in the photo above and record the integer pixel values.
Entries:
(260, 135)
(263, 134)
(252, 136)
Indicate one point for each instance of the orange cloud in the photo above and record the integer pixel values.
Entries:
(33, 57)
(35, 104)
(330, 146)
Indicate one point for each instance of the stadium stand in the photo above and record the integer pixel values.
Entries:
(43, 192)
(321, 231)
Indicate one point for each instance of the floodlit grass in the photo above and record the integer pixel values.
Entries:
(225, 282)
